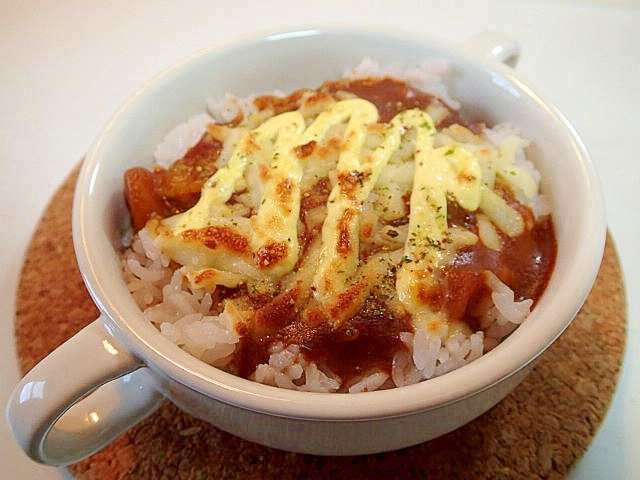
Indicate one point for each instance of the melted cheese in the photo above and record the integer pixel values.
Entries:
(219, 246)
(274, 238)
(356, 178)
(439, 173)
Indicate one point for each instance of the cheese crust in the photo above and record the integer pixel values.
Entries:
(383, 229)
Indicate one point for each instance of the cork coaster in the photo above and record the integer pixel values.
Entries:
(538, 431)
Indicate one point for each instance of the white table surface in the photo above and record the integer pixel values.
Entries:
(65, 66)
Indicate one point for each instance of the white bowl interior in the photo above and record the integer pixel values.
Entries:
(289, 61)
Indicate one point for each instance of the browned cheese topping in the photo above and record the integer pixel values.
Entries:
(375, 210)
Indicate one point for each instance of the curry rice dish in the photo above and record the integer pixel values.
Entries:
(355, 237)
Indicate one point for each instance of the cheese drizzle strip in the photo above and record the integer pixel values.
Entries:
(275, 224)
(356, 177)
(439, 172)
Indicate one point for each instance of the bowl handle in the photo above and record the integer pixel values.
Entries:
(79, 398)
(496, 45)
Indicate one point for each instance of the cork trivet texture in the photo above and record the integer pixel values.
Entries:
(539, 431)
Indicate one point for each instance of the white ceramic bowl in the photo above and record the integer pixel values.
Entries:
(121, 341)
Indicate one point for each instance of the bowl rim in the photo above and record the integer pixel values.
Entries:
(166, 359)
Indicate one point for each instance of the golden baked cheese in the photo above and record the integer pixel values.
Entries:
(223, 242)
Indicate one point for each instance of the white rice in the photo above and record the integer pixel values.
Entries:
(181, 138)
(184, 316)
